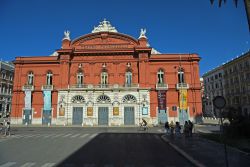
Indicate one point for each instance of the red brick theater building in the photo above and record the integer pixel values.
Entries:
(106, 78)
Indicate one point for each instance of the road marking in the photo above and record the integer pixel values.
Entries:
(75, 135)
(46, 136)
(3, 140)
(94, 135)
(58, 135)
(84, 135)
(8, 164)
(28, 164)
(28, 136)
(48, 165)
(67, 135)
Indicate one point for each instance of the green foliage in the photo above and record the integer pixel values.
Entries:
(239, 124)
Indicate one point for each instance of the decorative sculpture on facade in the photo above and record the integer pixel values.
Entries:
(66, 35)
(143, 33)
(104, 26)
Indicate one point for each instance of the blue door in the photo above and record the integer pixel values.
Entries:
(129, 116)
(183, 116)
(46, 117)
(77, 116)
(162, 116)
(103, 116)
(27, 116)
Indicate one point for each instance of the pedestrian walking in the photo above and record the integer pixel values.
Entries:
(7, 128)
(177, 129)
(186, 129)
(172, 128)
(167, 127)
(191, 125)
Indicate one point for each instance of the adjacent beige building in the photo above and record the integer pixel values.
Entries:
(230, 80)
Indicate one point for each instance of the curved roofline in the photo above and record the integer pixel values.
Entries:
(97, 33)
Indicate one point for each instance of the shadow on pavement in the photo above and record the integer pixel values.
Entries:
(125, 150)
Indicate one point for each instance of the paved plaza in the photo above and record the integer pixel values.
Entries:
(112, 147)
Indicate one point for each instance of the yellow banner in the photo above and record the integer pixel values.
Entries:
(183, 99)
(115, 110)
(89, 111)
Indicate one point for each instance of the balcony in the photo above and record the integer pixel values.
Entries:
(161, 86)
(28, 87)
(182, 86)
(103, 86)
(131, 85)
(47, 87)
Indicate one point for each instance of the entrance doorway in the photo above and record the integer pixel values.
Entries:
(77, 116)
(46, 117)
(129, 116)
(183, 116)
(162, 116)
(103, 116)
(27, 116)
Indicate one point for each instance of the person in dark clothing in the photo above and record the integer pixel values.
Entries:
(191, 125)
(167, 127)
(144, 124)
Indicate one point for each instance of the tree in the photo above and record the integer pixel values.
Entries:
(247, 7)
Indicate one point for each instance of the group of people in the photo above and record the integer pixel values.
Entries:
(172, 128)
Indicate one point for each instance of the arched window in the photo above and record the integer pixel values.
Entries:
(49, 78)
(78, 99)
(103, 99)
(30, 78)
(181, 78)
(160, 76)
(129, 99)
(128, 79)
(104, 78)
(79, 78)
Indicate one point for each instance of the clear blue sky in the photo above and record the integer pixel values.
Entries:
(35, 27)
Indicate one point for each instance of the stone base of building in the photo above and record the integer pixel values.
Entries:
(91, 122)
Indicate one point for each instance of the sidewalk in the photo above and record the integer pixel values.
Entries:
(203, 152)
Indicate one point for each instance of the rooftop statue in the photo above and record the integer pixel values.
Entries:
(104, 26)
(143, 33)
(66, 35)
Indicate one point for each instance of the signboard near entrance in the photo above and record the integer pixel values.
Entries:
(161, 100)
(89, 111)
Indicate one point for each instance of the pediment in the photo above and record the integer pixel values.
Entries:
(104, 40)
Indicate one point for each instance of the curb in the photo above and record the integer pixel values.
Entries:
(184, 154)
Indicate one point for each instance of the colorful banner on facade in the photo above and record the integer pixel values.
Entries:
(115, 111)
(89, 111)
(61, 111)
(183, 99)
(27, 100)
(161, 99)
(47, 100)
